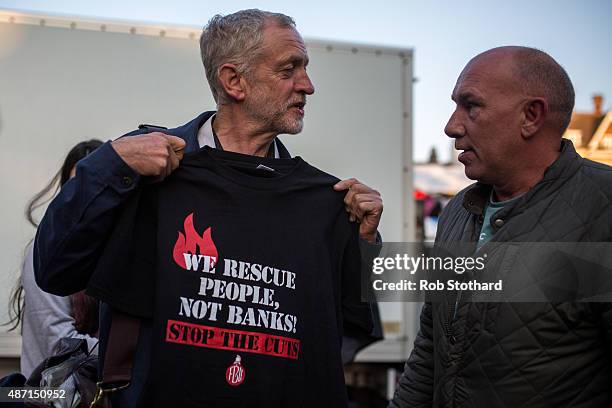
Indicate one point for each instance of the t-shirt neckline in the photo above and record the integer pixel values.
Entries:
(216, 156)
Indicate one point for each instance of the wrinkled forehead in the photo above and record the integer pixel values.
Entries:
(281, 38)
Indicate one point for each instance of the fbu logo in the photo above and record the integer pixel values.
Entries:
(235, 373)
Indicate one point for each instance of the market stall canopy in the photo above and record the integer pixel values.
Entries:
(433, 178)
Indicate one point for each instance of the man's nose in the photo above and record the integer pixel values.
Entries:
(454, 128)
(305, 85)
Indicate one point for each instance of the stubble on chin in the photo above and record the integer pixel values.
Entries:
(288, 125)
(282, 122)
(295, 128)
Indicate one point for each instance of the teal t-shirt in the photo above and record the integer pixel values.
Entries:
(487, 231)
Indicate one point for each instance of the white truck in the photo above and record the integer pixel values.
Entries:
(63, 80)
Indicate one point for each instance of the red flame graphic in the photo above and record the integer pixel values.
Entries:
(187, 243)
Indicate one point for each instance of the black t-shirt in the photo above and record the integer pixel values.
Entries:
(249, 275)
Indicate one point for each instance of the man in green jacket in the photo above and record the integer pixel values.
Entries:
(513, 104)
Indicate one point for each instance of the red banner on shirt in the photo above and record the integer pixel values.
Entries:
(236, 340)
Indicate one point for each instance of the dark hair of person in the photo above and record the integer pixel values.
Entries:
(78, 152)
(16, 301)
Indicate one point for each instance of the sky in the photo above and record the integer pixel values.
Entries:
(444, 35)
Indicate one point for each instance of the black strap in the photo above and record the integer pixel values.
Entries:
(118, 357)
(151, 127)
(120, 348)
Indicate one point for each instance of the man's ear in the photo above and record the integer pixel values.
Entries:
(232, 82)
(535, 113)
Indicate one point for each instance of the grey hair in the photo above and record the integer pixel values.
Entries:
(542, 75)
(236, 39)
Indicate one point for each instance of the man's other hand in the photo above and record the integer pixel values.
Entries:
(364, 204)
(154, 154)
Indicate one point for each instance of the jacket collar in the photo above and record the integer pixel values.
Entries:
(189, 131)
(476, 197)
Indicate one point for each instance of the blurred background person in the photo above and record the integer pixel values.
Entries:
(46, 318)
